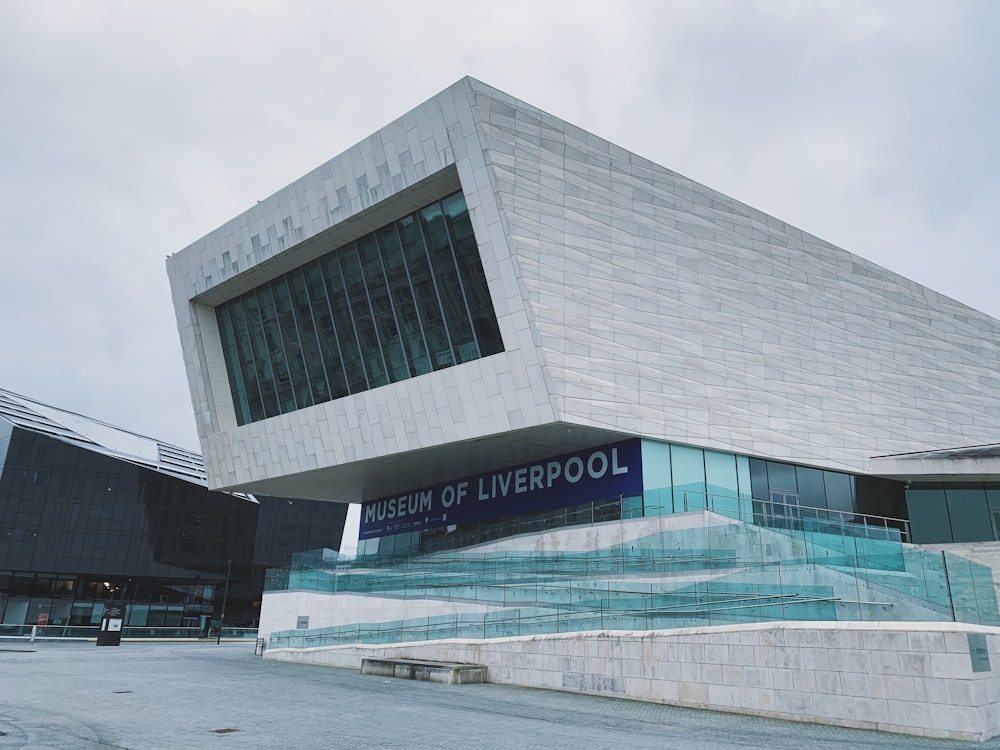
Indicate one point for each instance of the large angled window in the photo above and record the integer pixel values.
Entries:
(407, 299)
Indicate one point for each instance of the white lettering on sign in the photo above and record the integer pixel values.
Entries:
(506, 483)
(398, 507)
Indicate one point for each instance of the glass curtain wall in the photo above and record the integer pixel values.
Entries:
(677, 479)
(941, 514)
(680, 478)
(79, 528)
(407, 299)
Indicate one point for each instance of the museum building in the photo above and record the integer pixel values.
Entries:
(582, 398)
(480, 288)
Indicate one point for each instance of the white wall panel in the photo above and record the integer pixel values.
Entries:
(666, 308)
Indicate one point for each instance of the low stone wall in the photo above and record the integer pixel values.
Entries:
(908, 678)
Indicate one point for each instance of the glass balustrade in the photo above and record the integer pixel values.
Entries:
(743, 561)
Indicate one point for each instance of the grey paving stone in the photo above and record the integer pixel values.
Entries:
(145, 696)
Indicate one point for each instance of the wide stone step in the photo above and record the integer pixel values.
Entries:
(429, 671)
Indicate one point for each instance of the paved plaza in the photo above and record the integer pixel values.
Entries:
(144, 696)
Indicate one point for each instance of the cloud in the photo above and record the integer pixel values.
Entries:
(132, 129)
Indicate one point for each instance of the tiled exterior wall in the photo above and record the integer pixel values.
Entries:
(669, 310)
(508, 391)
(630, 299)
(909, 679)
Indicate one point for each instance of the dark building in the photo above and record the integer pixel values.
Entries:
(91, 513)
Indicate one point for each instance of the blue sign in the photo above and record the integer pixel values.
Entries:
(602, 473)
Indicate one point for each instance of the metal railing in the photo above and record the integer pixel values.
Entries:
(774, 561)
(771, 514)
(90, 632)
(530, 621)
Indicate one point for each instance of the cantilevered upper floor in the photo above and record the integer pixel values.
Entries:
(479, 284)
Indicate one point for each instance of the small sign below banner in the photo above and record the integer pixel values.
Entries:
(112, 620)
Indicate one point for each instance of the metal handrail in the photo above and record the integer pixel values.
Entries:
(844, 518)
(376, 632)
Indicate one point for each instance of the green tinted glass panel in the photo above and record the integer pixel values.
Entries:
(839, 491)
(262, 362)
(382, 308)
(244, 352)
(721, 482)
(407, 299)
(303, 313)
(364, 322)
(344, 324)
(292, 343)
(274, 349)
(929, 522)
(812, 491)
(781, 477)
(470, 269)
(632, 507)
(970, 518)
(326, 333)
(656, 478)
(993, 498)
(233, 368)
(449, 286)
(758, 479)
(687, 468)
(743, 474)
(425, 293)
(401, 293)
(720, 473)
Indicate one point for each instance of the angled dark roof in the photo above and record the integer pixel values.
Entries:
(70, 427)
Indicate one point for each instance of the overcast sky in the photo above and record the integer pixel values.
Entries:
(129, 129)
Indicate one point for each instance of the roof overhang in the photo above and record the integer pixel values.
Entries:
(359, 481)
(980, 463)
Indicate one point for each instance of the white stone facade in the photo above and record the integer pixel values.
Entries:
(631, 301)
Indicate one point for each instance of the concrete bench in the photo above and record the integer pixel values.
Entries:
(430, 671)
